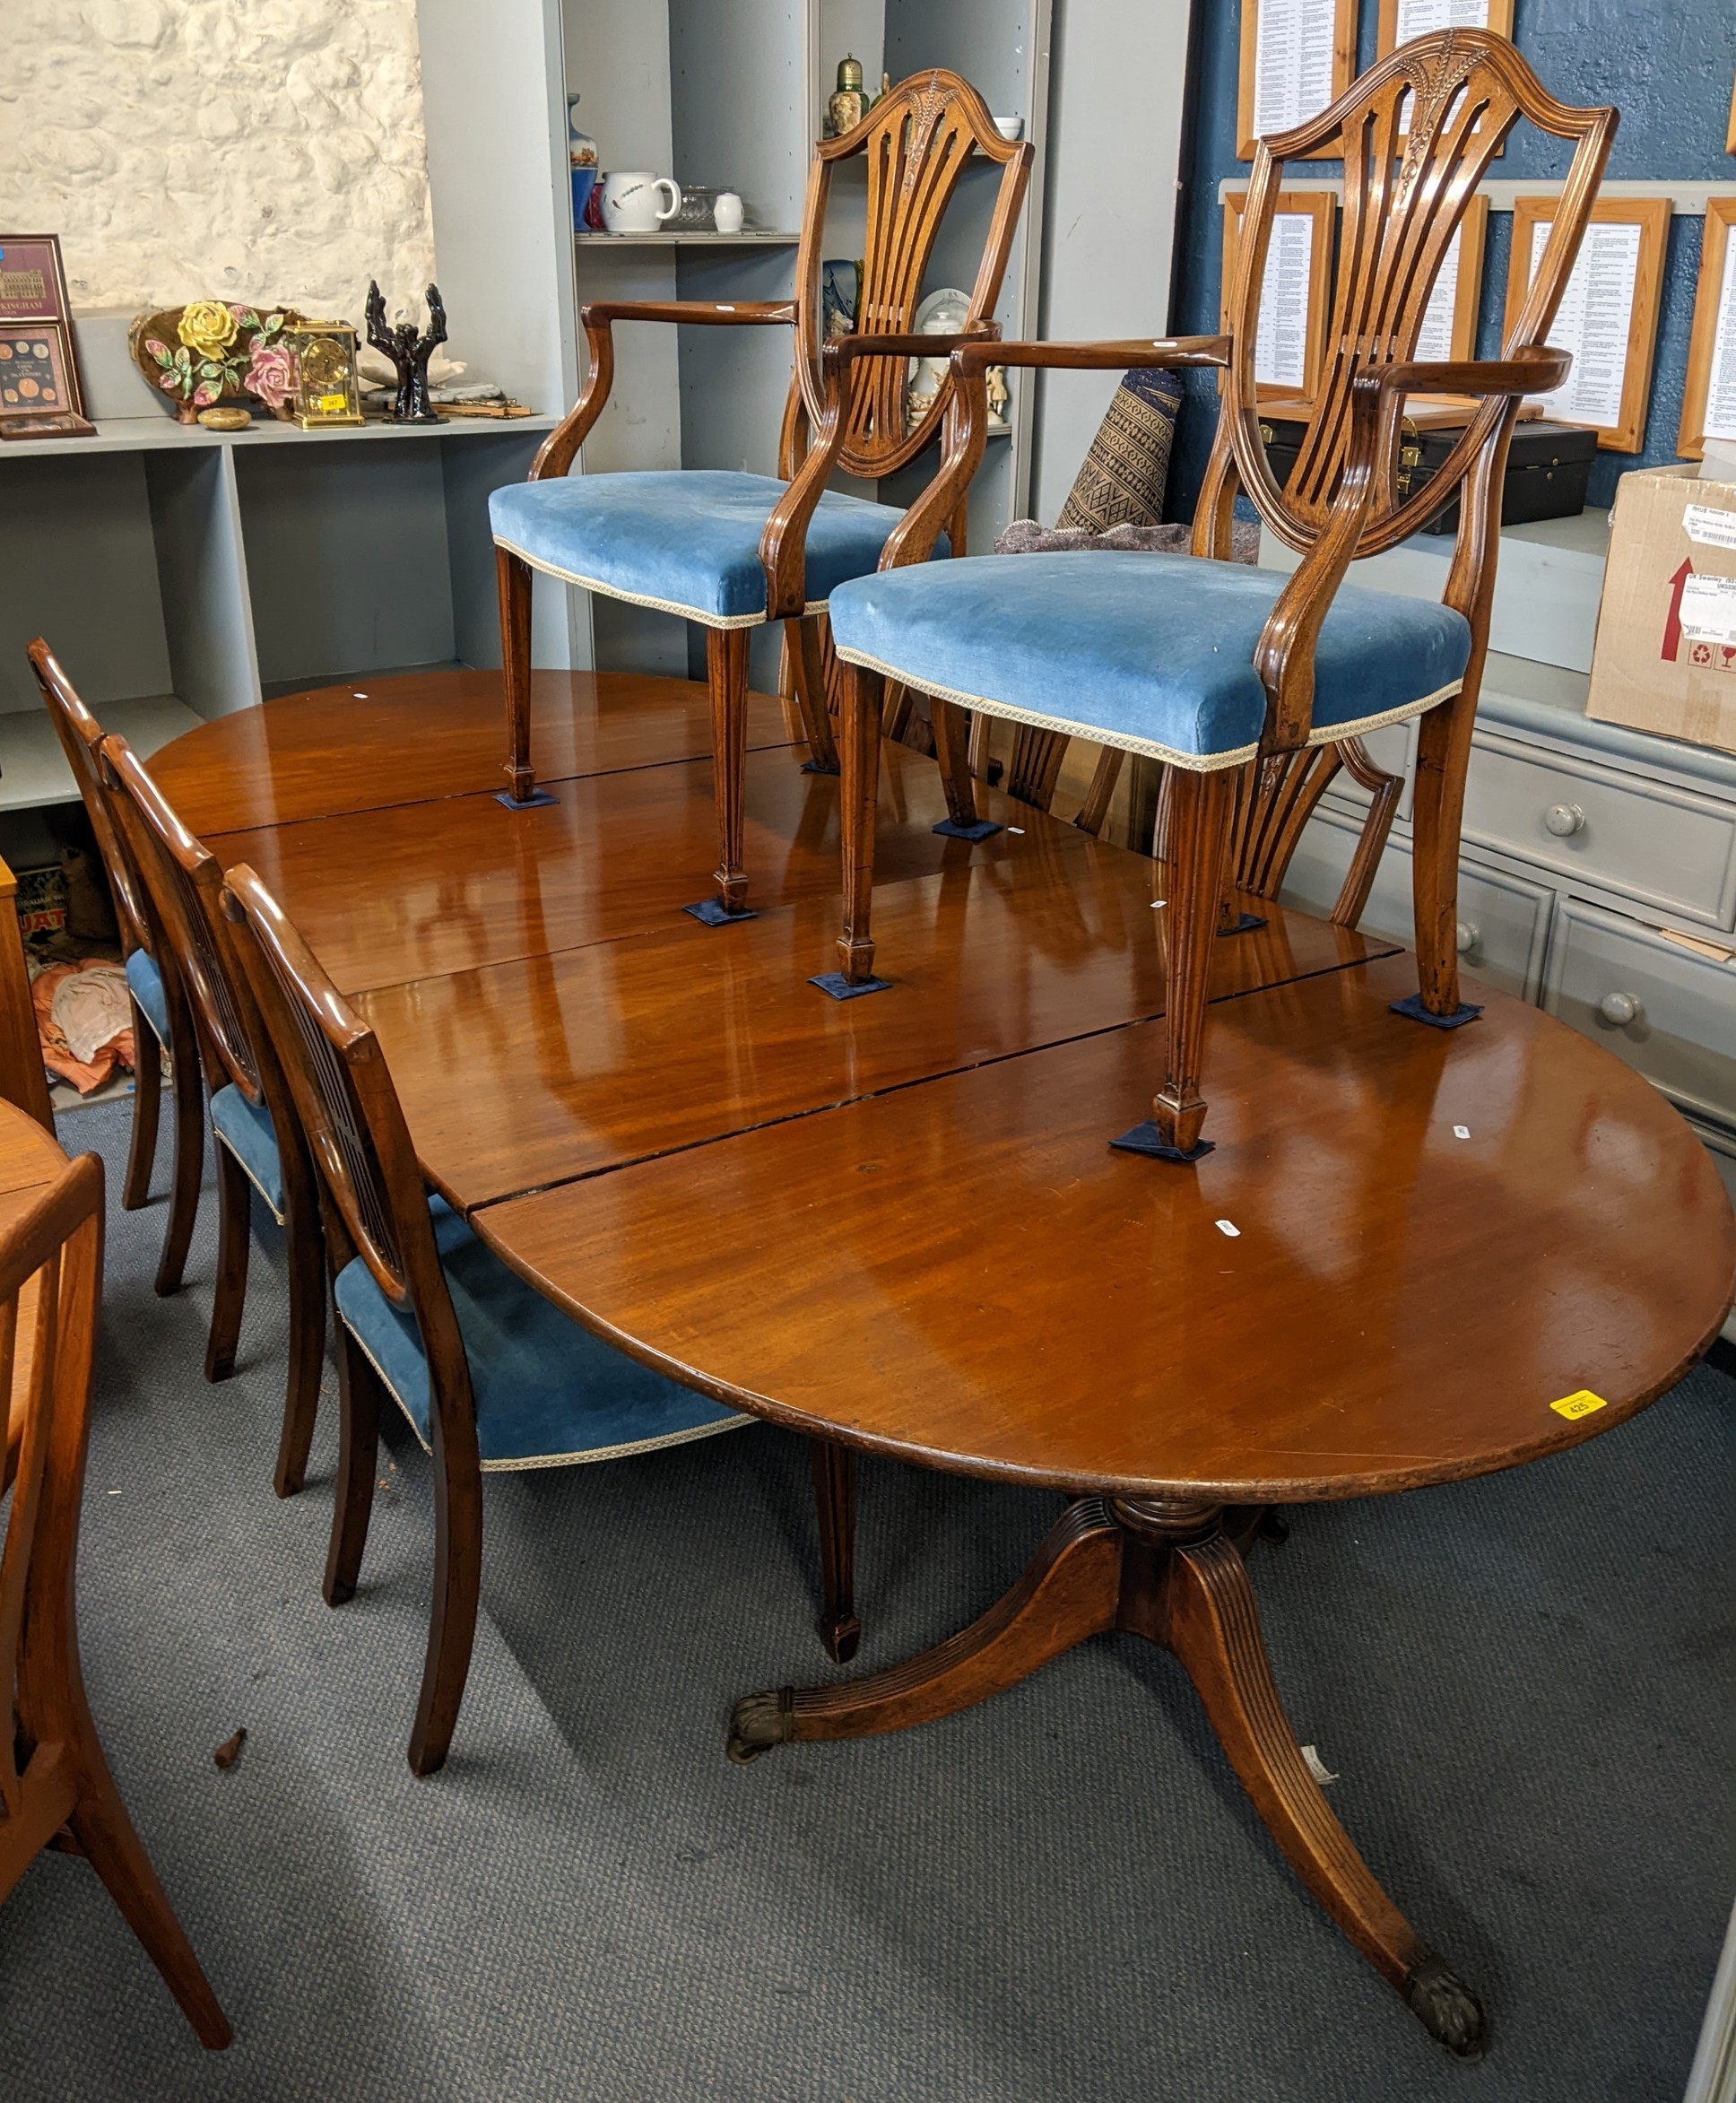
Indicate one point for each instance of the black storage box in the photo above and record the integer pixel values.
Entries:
(1549, 465)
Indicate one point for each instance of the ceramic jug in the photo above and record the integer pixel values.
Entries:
(630, 203)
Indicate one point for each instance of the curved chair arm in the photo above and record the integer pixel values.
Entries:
(598, 317)
(783, 545)
(966, 431)
(1284, 655)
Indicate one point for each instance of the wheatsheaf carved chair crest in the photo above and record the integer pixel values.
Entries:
(733, 551)
(1209, 665)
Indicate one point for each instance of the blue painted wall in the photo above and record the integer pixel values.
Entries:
(1667, 68)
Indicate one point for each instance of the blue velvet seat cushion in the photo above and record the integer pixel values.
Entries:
(1152, 652)
(147, 987)
(547, 1391)
(245, 1129)
(685, 540)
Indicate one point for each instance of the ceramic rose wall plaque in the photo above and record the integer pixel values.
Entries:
(215, 351)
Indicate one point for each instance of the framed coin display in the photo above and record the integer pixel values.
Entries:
(39, 392)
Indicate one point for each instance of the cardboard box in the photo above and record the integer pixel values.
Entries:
(1665, 656)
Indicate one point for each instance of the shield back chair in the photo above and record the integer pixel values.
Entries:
(1209, 665)
(259, 1142)
(55, 1783)
(161, 1019)
(491, 1376)
(734, 551)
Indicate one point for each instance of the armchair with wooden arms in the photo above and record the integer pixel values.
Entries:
(1205, 665)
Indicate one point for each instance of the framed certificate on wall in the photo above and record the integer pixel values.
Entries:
(1608, 314)
(1449, 322)
(1403, 21)
(1289, 342)
(1297, 56)
(1709, 395)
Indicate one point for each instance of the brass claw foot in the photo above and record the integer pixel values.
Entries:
(1447, 2007)
(760, 1722)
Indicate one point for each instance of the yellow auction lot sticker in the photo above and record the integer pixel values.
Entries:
(1578, 1405)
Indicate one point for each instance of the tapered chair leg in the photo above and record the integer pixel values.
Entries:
(234, 1241)
(147, 1103)
(951, 728)
(189, 1151)
(807, 670)
(858, 793)
(834, 1506)
(513, 578)
(306, 1249)
(1199, 836)
(358, 1399)
(1437, 808)
(726, 670)
(458, 1592)
(101, 1826)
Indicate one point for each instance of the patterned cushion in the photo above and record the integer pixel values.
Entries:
(1151, 653)
(687, 541)
(548, 1392)
(1122, 481)
(147, 987)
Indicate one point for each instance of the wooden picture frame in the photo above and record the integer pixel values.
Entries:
(1320, 207)
(1336, 18)
(1497, 16)
(1730, 135)
(1625, 432)
(1717, 285)
(33, 299)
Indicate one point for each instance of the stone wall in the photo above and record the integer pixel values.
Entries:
(228, 149)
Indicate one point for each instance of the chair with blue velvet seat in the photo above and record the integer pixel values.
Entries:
(1207, 665)
(161, 1020)
(259, 1144)
(733, 550)
(491, 1376)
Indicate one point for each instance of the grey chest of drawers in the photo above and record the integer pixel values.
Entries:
(1598, 878)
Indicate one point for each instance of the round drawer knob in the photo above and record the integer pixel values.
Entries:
(1620, 1008)
(1563, 820)
(1470, 935)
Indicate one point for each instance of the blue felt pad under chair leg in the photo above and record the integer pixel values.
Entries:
(1413, 1008)
(713, 914)
(841, 989)
(815, 767)
(1144, 1139)
(1245, 923)
(534, 802)
(982, 830)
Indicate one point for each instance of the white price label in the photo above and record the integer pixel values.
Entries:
(1708, 609)
(1710, 526)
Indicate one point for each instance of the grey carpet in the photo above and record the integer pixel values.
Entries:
(1521, 1683)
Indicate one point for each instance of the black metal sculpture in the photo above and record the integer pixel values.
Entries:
(409, 351)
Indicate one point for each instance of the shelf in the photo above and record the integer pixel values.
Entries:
(33, 770)
(153, 434)
(692, 237)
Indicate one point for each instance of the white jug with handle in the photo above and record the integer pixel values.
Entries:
(630, 203)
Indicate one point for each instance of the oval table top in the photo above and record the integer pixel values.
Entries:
(896, 1220)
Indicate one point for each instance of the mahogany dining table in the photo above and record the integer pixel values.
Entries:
(898, 1224)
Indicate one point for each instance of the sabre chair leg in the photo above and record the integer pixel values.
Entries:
(104, 1832)
(147, 1104)
(1437, 807)
(458, 1592)
(951, 728)
(358, 1457)
(306, 1249)
(189, 1150)
(726, 675)
(1209, 1619)
(234, 1243)
(835, 1507)
(1070, 1590)
(808, 669)
(1199, 833)
(858, 794)
(514, 578)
